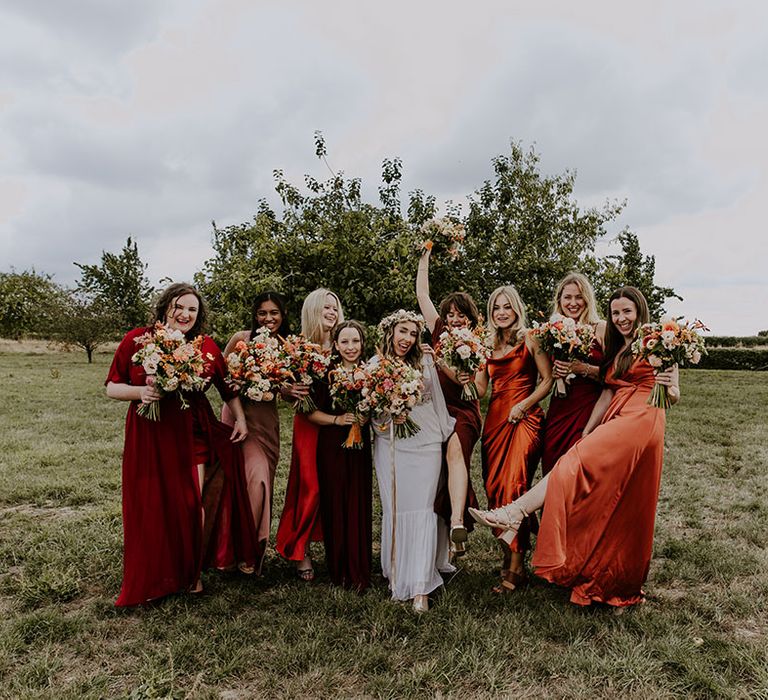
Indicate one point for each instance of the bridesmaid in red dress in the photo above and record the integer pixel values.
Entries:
(171, 530)
(455, 493)
(261, 449)
(520, 376)
(596, 532)
(567, 416)
(345, 475)
(300, 521)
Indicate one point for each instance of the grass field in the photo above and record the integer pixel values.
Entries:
(703, 632)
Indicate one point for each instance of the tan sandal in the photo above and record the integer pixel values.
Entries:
(510, 581)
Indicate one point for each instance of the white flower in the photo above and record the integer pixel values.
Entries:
(463, 351)
(654, 361)
(696, 357)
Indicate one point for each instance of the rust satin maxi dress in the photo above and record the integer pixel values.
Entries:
(567, 416)
(164, 544)
(510, 451)
(468, 426)
(596, 532)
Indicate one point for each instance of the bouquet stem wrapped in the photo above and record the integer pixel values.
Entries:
(464, 351)
(668, 343)
(564, 339)
(172, 363)
(346, 388)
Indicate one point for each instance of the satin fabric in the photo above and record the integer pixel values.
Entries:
(510, 451)
(261, 452)
(596, 533)
(164, 543)
(300, 521)
(567, 416)
(468, 427)
(345, 477)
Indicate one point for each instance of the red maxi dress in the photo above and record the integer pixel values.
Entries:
(510, 451)
(596, 532)
(567, 416)
(346, 481)
(164, 544)
(300, 520)
(468, 426)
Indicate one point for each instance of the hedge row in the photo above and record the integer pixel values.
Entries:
(734, 358)
(730, 341)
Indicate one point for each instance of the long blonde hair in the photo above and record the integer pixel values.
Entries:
(520, 326)
(311, 314)
(590, 313)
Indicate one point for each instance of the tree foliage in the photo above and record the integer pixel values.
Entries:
(83, 322)
(27, 303)
(523, 228)
(119, 284)
(633, 268)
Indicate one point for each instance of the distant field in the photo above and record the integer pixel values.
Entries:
(702, 633)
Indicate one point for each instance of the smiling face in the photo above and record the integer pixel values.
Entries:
(405, 336)
(181, 313)
(269, 316)
(624, 316)
(502, 313)
(349, 345)
(330, 313)
(456, 319)
(572, 301)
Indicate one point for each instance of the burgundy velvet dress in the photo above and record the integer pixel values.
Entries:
(469, 423)
(165, 546)
(346, 480)
(567, 416)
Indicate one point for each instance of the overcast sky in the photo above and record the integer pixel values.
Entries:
(153, 118)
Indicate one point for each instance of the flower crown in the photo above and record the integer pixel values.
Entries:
(401, 316)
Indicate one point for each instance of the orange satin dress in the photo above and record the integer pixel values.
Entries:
(510, 451)
(596, 532)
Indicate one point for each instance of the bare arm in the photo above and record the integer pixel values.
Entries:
(427, 308)
(128, 392)
(240, 429)
(544, 386)
(322, 418)
(598, 411)
(234, 340)
(481, 382)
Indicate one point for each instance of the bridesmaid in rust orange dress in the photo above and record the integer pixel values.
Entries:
(596, 533)
(511, 440)
(567, 416)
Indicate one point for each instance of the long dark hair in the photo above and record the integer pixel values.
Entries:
(614, 340)
(169, 296)
(279, 301)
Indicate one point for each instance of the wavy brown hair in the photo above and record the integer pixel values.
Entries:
(464, 304)
(168, 297)
(615, 349)
(387, 345)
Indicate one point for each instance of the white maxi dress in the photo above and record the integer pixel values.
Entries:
(421, 537)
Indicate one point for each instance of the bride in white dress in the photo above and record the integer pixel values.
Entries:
(421, 542)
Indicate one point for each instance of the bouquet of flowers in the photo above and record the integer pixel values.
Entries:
(393, 388)
(464, 351)
(304, 362)
(346, 387)
(256, 368)
(173, 363)
(665, 344)
(441, 235)
(564, 339)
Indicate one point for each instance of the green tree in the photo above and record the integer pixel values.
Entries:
(84, 323)
(523, 228)
(633, 268)
(27, 301)
(120, 284)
